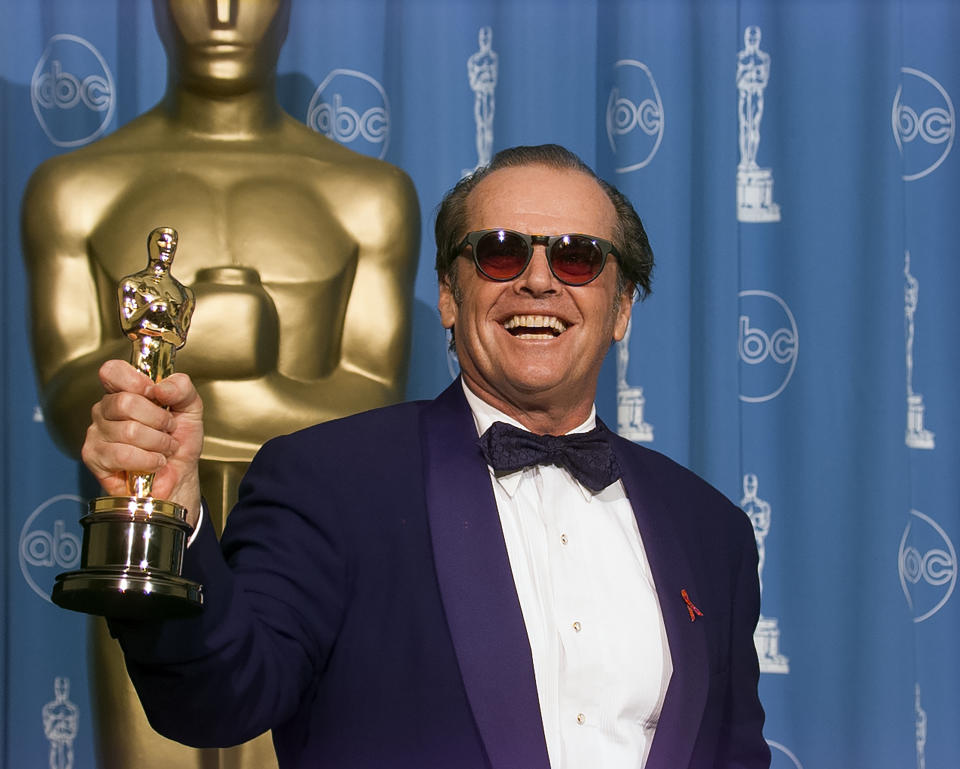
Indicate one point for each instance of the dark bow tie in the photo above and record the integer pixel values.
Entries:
(587, 456)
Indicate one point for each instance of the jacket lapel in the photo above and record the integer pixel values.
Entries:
(477, 588)
(669, 562)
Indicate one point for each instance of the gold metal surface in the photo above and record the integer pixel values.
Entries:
(305, 250)
(155, 313)
(132, 554)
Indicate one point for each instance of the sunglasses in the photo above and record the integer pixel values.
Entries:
(504, 254)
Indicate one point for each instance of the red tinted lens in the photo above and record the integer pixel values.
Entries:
(501, 255)
(576, 259)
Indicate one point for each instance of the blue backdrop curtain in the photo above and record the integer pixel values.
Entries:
(794, 164)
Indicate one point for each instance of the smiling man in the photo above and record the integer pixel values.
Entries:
(530, 344)
(488, 580)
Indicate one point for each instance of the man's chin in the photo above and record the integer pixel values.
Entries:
(544, 388)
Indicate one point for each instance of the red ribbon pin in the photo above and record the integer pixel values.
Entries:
(694, 611)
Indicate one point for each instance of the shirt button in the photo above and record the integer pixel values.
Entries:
(581, 718)
(577, 626)
(563, 539)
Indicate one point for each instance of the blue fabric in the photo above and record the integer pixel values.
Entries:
(800, 364)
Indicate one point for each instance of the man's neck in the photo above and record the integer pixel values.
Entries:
(534, 415)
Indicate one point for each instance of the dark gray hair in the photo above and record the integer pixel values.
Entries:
(636, 257)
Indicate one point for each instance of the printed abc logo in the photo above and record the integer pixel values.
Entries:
(768, 343)
(634, 116)
(923, 123)
(50, 542)
(352, 108)
(927, 564)
(72, 91)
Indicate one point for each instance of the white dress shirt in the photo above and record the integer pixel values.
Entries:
(599, 646)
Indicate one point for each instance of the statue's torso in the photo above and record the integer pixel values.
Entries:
(264, 212)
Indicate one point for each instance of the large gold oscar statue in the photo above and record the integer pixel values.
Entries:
(301, 255)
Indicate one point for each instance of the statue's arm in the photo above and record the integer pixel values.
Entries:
(376, 333)
(375, 344)
(764, 61)
(742, 69)
(67, 334)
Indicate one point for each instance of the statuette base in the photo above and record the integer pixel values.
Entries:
(755, 196)
(917, 436)
(767, 640)
(630, 424)
(131, 562)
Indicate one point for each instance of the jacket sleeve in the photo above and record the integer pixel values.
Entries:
(274, 597)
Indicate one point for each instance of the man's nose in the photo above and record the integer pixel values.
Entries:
(538, 279)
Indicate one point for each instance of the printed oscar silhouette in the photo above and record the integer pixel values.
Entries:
(917, 436)
(754, 184)
(60, 721)
(301, 255)
(482, 72)
(766, 636)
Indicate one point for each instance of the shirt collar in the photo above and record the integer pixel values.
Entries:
(485, 415)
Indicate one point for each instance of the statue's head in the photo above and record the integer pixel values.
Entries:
(485, 38)
(222, 46)
(162, 245)
(61, 688)
(751, 37)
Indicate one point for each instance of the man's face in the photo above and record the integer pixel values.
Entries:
(547, 370)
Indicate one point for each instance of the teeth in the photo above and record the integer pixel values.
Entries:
(535, 321)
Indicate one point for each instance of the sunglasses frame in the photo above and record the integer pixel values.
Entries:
(548, 241)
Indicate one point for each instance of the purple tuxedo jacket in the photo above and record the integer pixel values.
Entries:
(361, 605)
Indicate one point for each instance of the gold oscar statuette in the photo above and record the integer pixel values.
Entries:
(132, 553)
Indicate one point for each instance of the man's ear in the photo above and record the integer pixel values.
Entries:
(624, 307)
(446, 303)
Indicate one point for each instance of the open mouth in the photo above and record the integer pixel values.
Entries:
(535, 326)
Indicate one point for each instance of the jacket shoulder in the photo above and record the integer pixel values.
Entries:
(375, 430)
